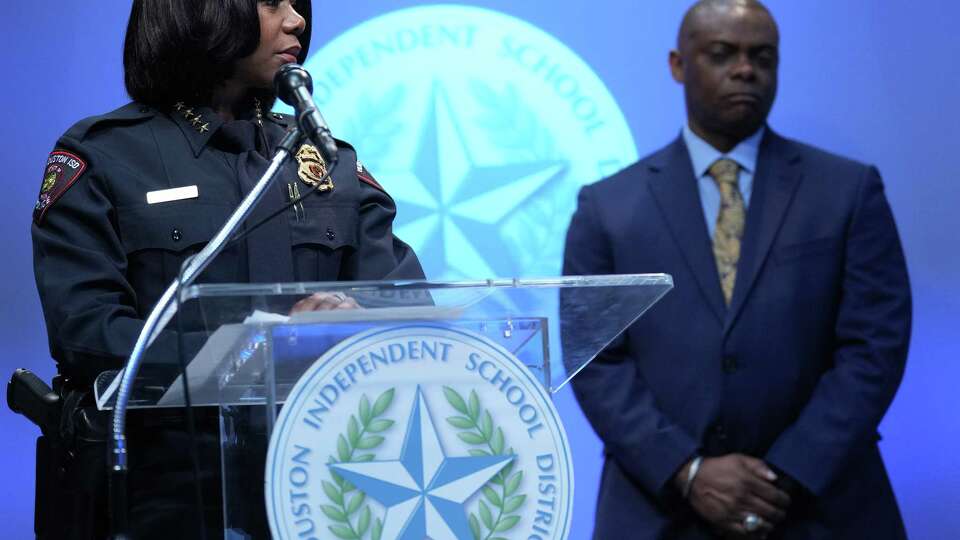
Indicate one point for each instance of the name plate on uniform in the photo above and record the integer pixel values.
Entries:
(173, 194)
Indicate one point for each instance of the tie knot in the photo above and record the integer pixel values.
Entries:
(724, 171)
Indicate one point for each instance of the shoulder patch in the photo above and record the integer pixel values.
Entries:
(62, 170)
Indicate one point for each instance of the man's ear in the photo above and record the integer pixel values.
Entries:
(676, 65)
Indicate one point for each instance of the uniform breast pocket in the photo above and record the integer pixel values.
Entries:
(819, 247)
(322, 240)
(159, 237)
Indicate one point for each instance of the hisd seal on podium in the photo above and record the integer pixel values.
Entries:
(482, 126)
(417, 432)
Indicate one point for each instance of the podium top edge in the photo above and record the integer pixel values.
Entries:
(300, 288)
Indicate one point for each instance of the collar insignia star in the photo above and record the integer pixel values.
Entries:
(195, 119)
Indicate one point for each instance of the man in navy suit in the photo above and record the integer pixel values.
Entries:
(746, 403)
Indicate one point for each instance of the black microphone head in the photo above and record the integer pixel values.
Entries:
(288, 78)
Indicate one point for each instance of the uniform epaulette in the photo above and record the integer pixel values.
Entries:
(129, 113)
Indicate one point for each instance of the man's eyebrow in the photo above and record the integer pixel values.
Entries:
(720, 42)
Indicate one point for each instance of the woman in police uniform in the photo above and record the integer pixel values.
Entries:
(127, 196)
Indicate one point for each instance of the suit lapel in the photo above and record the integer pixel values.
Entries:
(674, 188)
(775, 183)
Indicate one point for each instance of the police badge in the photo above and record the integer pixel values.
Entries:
(313, 169)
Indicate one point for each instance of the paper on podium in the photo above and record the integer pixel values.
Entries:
(203, 369)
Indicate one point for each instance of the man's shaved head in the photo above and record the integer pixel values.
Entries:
(704, 12)
(727, 58)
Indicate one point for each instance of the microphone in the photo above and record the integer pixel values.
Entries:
(294, 86)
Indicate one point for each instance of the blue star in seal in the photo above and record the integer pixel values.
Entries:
(425, 490)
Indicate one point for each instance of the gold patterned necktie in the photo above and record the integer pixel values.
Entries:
(730, 222)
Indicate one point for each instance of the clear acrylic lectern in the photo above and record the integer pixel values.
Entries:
(247, 352)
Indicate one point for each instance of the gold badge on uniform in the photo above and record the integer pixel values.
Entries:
(313, 169)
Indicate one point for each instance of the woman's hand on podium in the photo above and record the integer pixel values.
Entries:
(324, 301)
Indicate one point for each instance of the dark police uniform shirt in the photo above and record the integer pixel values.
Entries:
(103, 255)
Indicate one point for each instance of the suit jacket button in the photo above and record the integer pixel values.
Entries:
(176, 235)
(721, 435)
(330, 234)
(716, 440)
(729, 364)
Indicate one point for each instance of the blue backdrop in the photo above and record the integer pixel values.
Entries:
(876, 81)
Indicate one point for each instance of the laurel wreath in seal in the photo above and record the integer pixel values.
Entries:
(511, 126)
(375, 124)
(498, 508)
(353, 519)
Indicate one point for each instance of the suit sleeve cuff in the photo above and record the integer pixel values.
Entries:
(656, 464)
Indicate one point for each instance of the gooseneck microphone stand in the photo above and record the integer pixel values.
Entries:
(158, 319)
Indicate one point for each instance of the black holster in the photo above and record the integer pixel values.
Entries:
(78, 495)
(71, 455)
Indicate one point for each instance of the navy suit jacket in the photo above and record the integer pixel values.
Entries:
(798, 371)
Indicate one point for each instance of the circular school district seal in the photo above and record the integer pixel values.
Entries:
(482, 126)
(418, 432)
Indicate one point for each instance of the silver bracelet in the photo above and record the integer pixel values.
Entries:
(691, 474)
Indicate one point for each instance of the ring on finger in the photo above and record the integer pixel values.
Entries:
(752, 522)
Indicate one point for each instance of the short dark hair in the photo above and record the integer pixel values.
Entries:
(179, 50)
